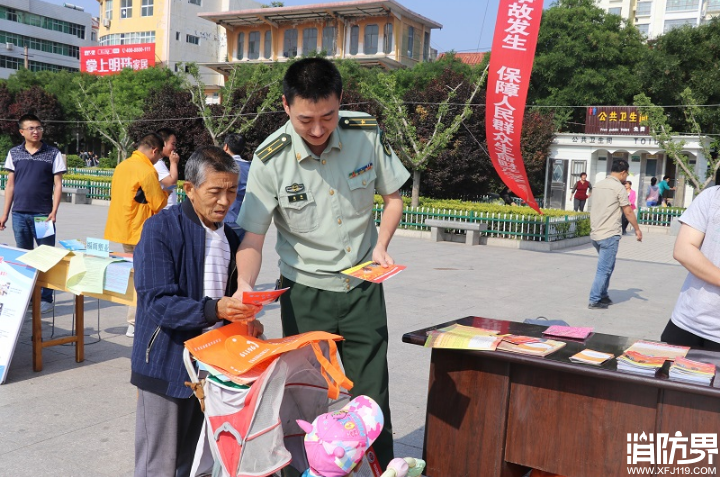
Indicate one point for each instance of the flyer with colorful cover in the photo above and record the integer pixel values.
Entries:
(373, 272)
(262, 297)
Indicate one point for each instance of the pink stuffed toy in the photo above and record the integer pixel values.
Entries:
(337, 441)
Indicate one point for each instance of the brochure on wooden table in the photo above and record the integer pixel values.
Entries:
(373, 272)
(588, 356)
(659, 350)
(463, 337)
(262, 297)
(684, 369)
(542, 347)
(572, 332)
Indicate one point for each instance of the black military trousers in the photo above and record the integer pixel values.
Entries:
(359, 316)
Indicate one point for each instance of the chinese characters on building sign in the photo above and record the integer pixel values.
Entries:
(108, 60)
(615, 120)
(511, 63)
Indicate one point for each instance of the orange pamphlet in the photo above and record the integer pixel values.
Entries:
(589, 356)
(463, 337)
(538, 348)
(373, 272)
(642, 360)
(695, 366)
(660, 350)
(262, 297)
(517, 339)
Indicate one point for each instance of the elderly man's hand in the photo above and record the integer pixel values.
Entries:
(232, 309)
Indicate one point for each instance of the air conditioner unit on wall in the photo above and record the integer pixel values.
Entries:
(106, 22)
(9, 46)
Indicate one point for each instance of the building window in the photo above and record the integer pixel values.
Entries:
(18, 63)
(146, 10)
(672, 24)
(309, 41)
(643, 8)
(10, 14)
(354, 39)
(410, 41)
(268, 45)
(240, 46)
(108, 9)
(128, 38)
(195, 2)
(254, 45)
(370, 45)
(328, 40)
(177, 36)
(39, 44)
(192, 39)
(125, 8)
(681, 6)
(93, 36)
(426, 47)
(713, 5)
(615, 11)
(290, 43)
(644, 29)
(388, 46)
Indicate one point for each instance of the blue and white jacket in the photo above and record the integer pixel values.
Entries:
(171, 306)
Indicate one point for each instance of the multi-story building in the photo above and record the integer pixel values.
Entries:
(655, 17)
(42, 36)
(179, 35)
(373, 32)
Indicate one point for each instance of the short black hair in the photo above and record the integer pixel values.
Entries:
(165, 133)
(151, 140)
(620, 165)
(666, 177)
(28, 117)
(312, 79)
(583, 174)
(235, 142)
(653, 181)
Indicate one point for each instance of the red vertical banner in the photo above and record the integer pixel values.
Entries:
(511, 61)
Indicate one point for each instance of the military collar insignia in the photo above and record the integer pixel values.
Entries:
(360, 170)
(362, 122)
(295, 188)
(267, 152)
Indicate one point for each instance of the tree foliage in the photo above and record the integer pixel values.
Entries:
(110, 104)
(584, 57)
(37, 101)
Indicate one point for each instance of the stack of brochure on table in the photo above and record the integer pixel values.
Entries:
(463, 337)
(646, 357)
(689, 371)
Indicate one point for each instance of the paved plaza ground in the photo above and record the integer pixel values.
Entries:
(77, 419)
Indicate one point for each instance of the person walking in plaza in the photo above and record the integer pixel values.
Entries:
(652, 197)
(694, 320)
(664, 190)
(581, 192)
(316, 181)
(632, 197)
(610, 202)
(234, 144)
(135, 196)
(33, 189)
(185, 275)
(168, 177)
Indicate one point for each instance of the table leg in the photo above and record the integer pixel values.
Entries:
(80, 328)
(37, 330)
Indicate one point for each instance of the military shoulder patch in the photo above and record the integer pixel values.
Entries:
(267, 152)
(362, 122)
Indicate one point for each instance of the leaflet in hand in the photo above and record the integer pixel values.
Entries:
(373, 272)
(262, 297)
(44, 227)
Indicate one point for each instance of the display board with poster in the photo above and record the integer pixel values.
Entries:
(17, 281)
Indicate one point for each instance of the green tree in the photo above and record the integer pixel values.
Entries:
(420, 123)
(110, 104)
(661, 131)
(239, 108)
(584, 56)
(687, 57)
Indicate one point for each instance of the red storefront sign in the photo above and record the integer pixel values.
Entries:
(108, 60)
(511, 61)
(615, 120)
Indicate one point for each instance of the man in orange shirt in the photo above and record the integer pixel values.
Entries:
(135, 196)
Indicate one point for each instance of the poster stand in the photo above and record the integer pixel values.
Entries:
(17, 282)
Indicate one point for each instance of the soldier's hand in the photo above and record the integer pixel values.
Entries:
(381, 257)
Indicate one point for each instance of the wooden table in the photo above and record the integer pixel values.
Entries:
(55, 279)
(492, 413)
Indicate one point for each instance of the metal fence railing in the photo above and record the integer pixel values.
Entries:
(532, 228)
(661, 216)
(89, 171)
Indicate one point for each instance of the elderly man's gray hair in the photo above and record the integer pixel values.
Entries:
(206, 157)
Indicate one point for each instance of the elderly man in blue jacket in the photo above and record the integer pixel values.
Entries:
(185, 275)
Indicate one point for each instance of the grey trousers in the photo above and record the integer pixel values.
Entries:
(166, 434)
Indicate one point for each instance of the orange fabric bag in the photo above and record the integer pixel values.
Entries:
(236, 354)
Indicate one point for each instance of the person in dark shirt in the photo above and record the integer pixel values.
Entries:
(581, 192)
